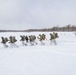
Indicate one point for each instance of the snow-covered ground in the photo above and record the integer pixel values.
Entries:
(39, 59)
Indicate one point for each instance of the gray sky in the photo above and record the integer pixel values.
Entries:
(26, 14)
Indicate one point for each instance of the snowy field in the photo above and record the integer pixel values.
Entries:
(39, 59)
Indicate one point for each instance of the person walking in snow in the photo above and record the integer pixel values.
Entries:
(41, 38)
(32, 39)
(23, 40)
(12, 42)
(26, 38)
(53, 38)
(4, 41)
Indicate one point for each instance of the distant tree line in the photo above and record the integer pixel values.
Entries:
(55, 28)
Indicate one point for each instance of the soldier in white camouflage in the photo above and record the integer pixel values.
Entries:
(32, 39)
(23, 40)
(4, 41)
(41, 38)
(12, 42)
(53, 38)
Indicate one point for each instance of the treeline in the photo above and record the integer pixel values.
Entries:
(55, 28)
(11, 30)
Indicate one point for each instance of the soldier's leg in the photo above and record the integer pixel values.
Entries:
(55, 42)
(5, 45)
(23, 43)
(51, 41)
(15, 45)
(31, 42)
(42, 43)
(11, 45)
(26, 41)
(35, 42)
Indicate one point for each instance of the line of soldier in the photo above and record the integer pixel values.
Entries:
(11, 41)
(29, 39)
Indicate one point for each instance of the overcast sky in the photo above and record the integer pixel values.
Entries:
(26, 14)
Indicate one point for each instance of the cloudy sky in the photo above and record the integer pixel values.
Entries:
(26, 14)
